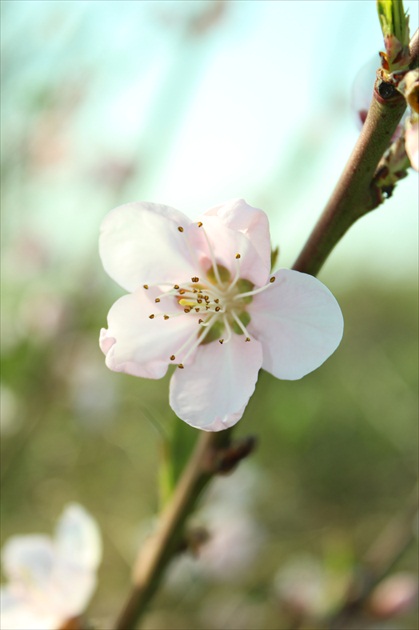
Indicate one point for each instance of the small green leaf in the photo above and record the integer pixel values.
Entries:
(395, 27)
(394, 20)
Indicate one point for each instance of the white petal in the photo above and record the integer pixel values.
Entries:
(18, 614)
(141, 346)
(70, 590)
(213, 391)
(28, 558)
(140, 244)
(77, 537)
(299, 323)
(252, 222)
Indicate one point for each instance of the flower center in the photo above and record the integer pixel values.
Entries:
(217, 301)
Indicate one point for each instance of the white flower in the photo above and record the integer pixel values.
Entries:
(202, 298)
(50, 580)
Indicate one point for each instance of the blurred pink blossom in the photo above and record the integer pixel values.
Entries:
(198, 292)
(395, 595)
(50, 580)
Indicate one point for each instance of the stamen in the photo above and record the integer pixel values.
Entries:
(200, 224)
(207, 322)
(239, 296)
(151, 316)
(237, 276)
(145, 286)
(228, 328)
(181, 366)
(165, 317)
(221, 341)
(196, 343)
(214, 264)
(157, 300)
(241, 325)
(172, 358)
(195, 279)
(180, 228)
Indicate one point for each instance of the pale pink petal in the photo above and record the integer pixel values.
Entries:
(70, 590)
(225, 244)
(18, 614)
(298, 322)
(140, 243)
(236, 214)
(28, 557)
(412, 143)
(77, 538)
(212, 392)
(138, 345)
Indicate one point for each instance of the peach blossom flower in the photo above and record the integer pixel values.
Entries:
(202, 297)
(50, 580)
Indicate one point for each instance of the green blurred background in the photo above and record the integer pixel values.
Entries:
(190, 104)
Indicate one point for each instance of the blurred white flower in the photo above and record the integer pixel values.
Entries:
(301, 586)
(235, 537)
(50, 580)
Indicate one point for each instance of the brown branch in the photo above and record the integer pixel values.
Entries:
(354, 196)
(214, 454)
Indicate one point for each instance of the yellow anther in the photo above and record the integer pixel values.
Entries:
(180, 228)
(200, 224)
(172, 358)
(145, 286)
(247, 339)
(165, 317)
(238, 256)
(181, 366)
(217, 309)
(195, 279)
(151, 316)
(272, 279)
(176, 286)
(221, 341)
(157, 300)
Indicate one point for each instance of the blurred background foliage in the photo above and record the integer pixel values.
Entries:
(191, 103)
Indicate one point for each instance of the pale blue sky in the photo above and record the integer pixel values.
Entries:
(256, 107)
